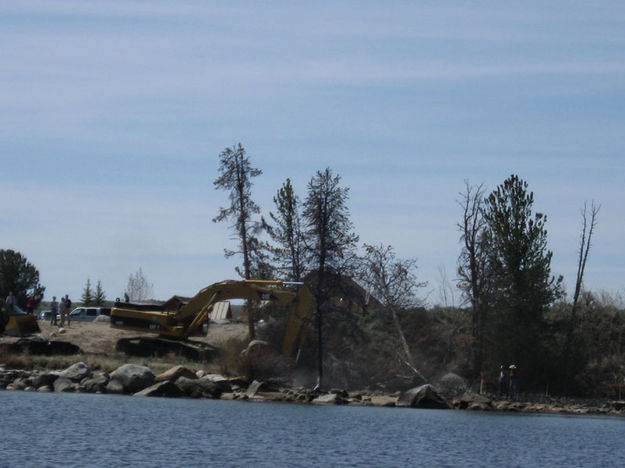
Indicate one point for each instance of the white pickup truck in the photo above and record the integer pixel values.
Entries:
(88, 313)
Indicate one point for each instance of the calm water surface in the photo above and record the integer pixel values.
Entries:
(79, 430)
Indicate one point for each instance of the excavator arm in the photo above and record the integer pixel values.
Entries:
(188, 319)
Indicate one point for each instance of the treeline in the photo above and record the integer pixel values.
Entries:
(368, 308)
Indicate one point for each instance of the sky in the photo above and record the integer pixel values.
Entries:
(113, 114)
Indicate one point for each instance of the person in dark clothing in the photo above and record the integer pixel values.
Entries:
(503, 388)
(513, 381)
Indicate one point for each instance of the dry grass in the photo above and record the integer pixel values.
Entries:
(97, 341)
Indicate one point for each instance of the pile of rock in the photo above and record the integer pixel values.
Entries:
(129, 379)
(476, 402)
(179, 381)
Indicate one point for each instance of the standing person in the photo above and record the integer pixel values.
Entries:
(54, 307)
(502, 381)
(10, 302)
(62, 311)
(513, 381)
(30, 304)
(68, 309)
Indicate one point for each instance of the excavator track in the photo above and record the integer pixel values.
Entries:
(145, 346)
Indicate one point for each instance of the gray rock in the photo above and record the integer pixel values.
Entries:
(102, 318)
(95, 384)
(424, 396)
(222, 383)
(162, 389)
(473, 401)
(452, 385)
(114, 386)
(199, 388)
(44, 379)
(254, 388)
(133, 377)
(63, 384)
(329, 399)
(19, 383)
(174, 373)
(76, 372)
(384, 400)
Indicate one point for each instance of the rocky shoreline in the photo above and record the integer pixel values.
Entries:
(181, 382)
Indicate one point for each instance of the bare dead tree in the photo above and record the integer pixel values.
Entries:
(585, 242)
(138, 287)
(394, 283)
(588, 228)
(472, 264)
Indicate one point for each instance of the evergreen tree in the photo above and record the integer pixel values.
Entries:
(87, 294)
(235, 177)
(330, 243)
(19, 276)
(285, 231)
(100, 297)
(522, 287)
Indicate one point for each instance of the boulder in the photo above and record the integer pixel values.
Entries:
(264, 360)
(329, 399)
(198, 388)
(222, 383)
(76, 372)
(254, 387)
(95, 384)
(164, 388)
(133, 377)
(175, 372)
(19, 384)
(451, 385)
(102, 318)
(43, 379)
(424, 396)
(63, 384)
(114, 386)
(383, 400)
(473, 401)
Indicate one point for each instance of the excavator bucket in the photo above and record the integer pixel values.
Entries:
(21, 325)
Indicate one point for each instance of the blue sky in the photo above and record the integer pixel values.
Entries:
(113, 113)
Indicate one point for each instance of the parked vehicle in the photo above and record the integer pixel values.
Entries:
(88, 313)
(45, 315)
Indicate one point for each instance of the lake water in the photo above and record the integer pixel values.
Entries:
(82, 430)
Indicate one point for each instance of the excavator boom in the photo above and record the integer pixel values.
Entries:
(182, 323)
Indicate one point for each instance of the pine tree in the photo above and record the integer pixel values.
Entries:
(235, 177)
(87, 294)
(99, 297)
(330, 243)
(522, 287)
(286, 233)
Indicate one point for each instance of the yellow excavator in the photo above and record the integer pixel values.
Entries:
(16, 322)
(174, 327)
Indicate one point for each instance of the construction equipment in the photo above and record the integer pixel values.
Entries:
(17, 322)
(175, 327)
